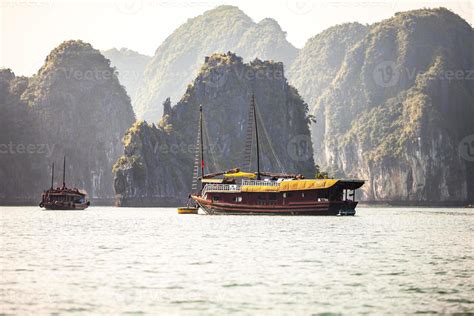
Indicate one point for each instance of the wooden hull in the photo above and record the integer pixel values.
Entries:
(65, 207)
(313, 208)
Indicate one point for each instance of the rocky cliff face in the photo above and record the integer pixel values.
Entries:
(73, 106)
(177, 60)
(130, 66)
(20, 152)
(399, 108)
(318, 63)
(157, 165)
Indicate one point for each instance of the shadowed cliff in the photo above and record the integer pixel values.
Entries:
(73, 106)
(157, 165)
(396, 106)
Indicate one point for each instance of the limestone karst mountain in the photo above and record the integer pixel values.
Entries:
(19, 146)
(130, 66)
(396, 106)
(73, 106)
(157, 165)
(319, 61)
(176, 61)
(393, 103)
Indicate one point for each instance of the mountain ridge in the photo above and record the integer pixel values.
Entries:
(74, 106)
(150, 173)
(177, 59)
(390, 114)
(130, 66)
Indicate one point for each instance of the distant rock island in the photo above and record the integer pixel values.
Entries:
(393, 104)
(394, 101)
(157, 165)
(73, 106)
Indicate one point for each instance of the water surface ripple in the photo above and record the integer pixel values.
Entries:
(154, 261)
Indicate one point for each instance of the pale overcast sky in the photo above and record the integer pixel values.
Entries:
(30, 29)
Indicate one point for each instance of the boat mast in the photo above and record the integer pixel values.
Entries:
(201, 143)
(52, 176)
(64, 172)
(256, 135)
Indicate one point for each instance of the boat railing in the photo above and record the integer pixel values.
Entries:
(260, 183)
(213, 187)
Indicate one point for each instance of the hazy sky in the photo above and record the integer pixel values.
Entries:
(30, 29)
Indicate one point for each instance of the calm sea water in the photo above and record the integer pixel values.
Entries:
(154, 261)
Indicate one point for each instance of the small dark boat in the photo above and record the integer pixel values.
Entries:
(63, 198)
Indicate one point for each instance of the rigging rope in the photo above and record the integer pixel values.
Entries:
(210, 150)
(196, 162)
(280, 165)
(247, 159)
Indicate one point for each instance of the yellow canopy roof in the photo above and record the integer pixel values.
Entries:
(293, 185)
(310, 184)
(259, 188)
(240, 174)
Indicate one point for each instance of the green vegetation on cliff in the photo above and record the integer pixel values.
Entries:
(73, 106)
(318, 63)
(397, 106)
(177, 59)
(157, 165)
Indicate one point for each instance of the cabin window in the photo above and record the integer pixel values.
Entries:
(237, 199)
(216, 198)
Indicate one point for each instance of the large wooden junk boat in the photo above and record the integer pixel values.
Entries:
(239, 192)
(63, 198)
